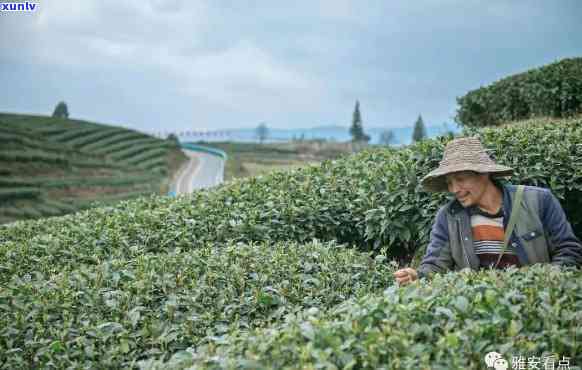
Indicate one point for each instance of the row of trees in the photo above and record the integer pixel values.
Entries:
(357, 133)
(356, 129)
(387, 137)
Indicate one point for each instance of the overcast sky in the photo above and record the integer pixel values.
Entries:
(181, 65)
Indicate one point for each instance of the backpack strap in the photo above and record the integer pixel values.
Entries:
(512, 220)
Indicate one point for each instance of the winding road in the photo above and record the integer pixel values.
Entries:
(202, 171)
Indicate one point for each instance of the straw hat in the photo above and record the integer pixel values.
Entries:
(463, 154)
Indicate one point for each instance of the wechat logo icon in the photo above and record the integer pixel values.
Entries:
(496, 361)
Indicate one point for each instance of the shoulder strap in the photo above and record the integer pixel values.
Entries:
(516, 207)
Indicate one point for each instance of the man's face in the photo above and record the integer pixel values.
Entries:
(467, 186)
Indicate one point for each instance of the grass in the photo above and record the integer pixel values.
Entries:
(113, 143)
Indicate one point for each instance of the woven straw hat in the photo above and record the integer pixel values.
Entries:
(463, 154)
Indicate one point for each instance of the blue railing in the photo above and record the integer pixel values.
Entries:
(205, 149)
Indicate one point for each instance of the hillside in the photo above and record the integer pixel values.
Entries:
(289, 270)
(52, 166)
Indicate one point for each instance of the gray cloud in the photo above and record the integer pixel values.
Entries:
(183, 64)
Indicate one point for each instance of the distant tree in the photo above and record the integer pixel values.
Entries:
(173, 139)
(357, 129)
(61, 110)
(387, 137)
(262, 132)
(419, 132)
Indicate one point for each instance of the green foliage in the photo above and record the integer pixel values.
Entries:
(61, 110)
(554, 90)
(154, 163)
(49, 157)
(357, 128)
(156, 153)
(232, 277)
(114, 142)
(372, 200)
(89, 138)
(51, 183)
(173, 140)
(81, 159)
(419, 132)
(111, 312)
(18, 193)
(449, 323)
(19, 209)
(70, 135)
(130, 151)
(109, 200)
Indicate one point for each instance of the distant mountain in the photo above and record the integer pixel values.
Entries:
(403, 135)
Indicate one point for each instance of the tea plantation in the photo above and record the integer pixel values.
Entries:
(290, 271)
(53, 166)
(553, 90)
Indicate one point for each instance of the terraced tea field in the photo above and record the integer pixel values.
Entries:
(52, 166)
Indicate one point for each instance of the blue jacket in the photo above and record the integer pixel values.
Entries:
(542, 234)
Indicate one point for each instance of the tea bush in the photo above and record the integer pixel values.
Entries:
(554, 90)
(449, 323)
(72, 155)
(147, 279)
(125, 309)
(372, 200)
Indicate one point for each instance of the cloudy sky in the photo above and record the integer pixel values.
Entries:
(177, 65)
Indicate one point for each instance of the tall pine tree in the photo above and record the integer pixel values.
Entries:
(419, 132)
(357, 129)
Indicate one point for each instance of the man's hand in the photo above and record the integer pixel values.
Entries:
(405, 276)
